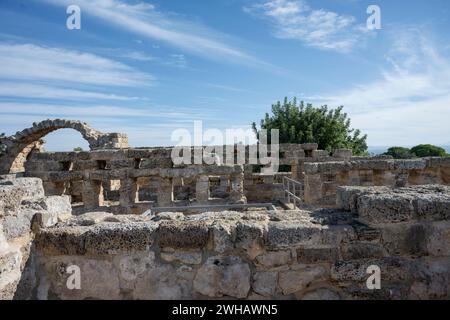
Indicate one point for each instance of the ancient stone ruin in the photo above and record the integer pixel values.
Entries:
(134, 225)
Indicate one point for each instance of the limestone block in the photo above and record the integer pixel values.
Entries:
(321, 294)
(180, 234)
(265, 283)
(376, 209)
(202, 189)
(439, 239)
(164, 191)
(183, 256)
(361, 250)
(92, 194)
(314, 254)
(132, 265)
(91, 218)
(291, 233)
(17, 225)
(59, 205)
(223, 234)
(32, 187)
(119, 237)
(274, 258)
(250, 237)
(159, 282)
(99, 279)
(393, 269)
(346, 197)
(292, 281)
(45, 219)
(10, 198)
(220, 276)
(405, 238)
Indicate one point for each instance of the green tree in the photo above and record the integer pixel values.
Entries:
(329, 128)
(78, 149)
(400, 153)
(428, 150)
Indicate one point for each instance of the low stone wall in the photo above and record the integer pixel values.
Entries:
(24, 207)
(89, 177)
(322, 254)
(322, 179)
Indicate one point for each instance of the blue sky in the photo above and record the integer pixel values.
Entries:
(147, 68)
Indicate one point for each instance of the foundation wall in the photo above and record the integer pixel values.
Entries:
(322, 179)
(291, 255)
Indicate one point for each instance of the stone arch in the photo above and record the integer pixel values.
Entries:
(14, 147)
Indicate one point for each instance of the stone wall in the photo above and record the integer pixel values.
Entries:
(93, 179)
(15, 149)
(321, 254)
(141, 179)
(24, 207)
(322, 179)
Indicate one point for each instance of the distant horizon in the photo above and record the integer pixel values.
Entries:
(383, 149)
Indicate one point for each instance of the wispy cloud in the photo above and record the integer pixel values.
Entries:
(95, 110)
(137, 55)
(32, 62)
(318, 28)
(25, 90)
(411, 96)
(143, 19)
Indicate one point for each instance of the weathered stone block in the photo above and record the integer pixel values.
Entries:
(296, 280)
(182, 256)
(221, 276)
(265, 283)
(178, 234)
(316, 254)
(274, 258)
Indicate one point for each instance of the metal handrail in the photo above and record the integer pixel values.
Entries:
(288, 193)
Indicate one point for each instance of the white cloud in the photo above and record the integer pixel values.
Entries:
(317, 28)
(32, 62)
(143, 19)
(410, 103)
(137, 55)
(25, 90)
(106, 111)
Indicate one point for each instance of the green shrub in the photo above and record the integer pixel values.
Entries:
(428, 150)
(400, 153)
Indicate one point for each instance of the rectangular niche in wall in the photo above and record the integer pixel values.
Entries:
(103, 165)
(219, 187)
(66, 165)
(147, 191)
(111, 190)
(183, 189)
(75, 190)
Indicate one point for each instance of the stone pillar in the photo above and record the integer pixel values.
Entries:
(294, 169)
(237, 188)
(202, 189)
(313, 188)
(92, 194)
(128, 194)
(165, 191)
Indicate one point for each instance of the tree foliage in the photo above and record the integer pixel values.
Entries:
(422, 150)
(428, 150)
(300, 123)
(77, 149)
(400, 153)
